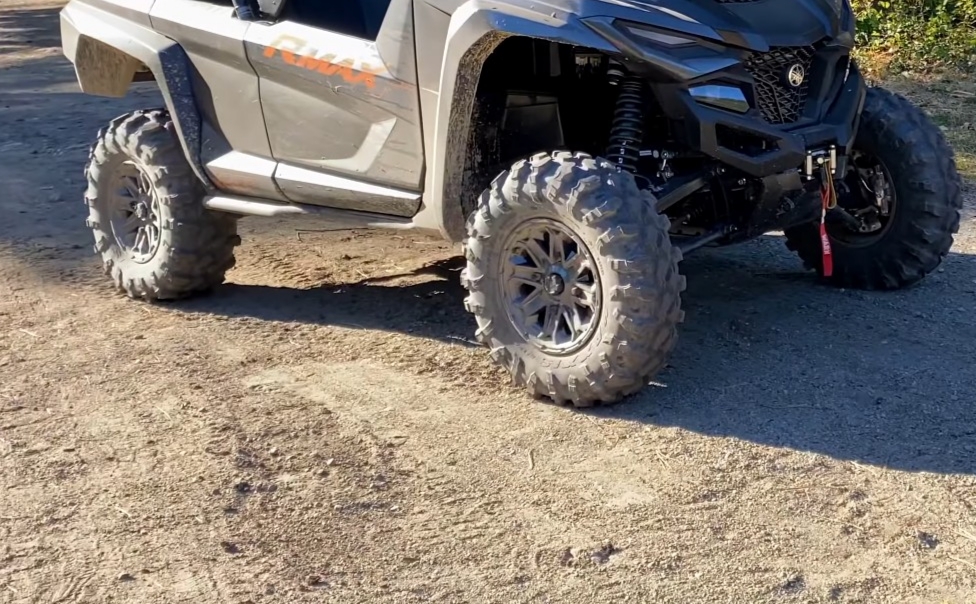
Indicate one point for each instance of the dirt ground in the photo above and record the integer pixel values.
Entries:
(320, 428)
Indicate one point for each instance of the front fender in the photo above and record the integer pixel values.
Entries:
(475, 30)
(106, 50)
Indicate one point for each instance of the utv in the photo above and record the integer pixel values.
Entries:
(695, 122)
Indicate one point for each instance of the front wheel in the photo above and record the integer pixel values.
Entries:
(901, 196)
(572, 279)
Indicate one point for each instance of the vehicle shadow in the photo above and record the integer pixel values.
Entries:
(767, 354)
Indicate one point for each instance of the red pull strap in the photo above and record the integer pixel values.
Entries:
(828, 257)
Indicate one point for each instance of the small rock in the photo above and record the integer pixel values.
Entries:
(794, 584)
(602, 555)
(126, 577)
(927, 540)
(230, 548)
(273, 451)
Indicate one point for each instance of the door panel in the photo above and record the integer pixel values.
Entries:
(336, 107)
(226, 90)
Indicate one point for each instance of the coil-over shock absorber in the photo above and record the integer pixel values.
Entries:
(627, 129)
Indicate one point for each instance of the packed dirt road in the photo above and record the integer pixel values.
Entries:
(320, 429)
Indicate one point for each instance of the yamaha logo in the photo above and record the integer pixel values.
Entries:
(796, 75)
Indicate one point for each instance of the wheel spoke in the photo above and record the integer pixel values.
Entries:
(536, 253)
(574, 262)
(571, 317)
(132, 223)
(557, 247)
(532, 303)
(137, 243)
(527, 274)
(551, 325)
(131, 187)
(587, 295)
(152, 236)
(144, 184)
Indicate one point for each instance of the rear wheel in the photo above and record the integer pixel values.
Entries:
(154, 236)
(572, 279)
(900, 201)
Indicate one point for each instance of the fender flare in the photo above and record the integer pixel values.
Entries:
(475, 30)
(106, 51)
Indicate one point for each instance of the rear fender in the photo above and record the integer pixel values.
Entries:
(108, 52)
(475, 30)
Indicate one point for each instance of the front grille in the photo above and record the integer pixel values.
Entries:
(778, 100)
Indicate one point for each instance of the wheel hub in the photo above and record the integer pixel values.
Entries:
(552, 286)
(136, 221)
(554, 283)
(867, 201)
(142, 212)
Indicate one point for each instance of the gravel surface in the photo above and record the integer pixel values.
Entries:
(321, 429)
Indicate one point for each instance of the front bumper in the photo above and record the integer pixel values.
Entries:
(768, 149)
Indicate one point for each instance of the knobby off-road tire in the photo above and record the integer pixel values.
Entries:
(925, 214)
(640, 287)
(195, 246)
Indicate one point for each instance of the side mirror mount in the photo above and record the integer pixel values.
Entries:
(271, 9)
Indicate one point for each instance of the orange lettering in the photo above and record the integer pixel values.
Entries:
(356, 78)
(310, 63)
(324, 64)
(328, 69)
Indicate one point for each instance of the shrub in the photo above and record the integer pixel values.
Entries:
(918, 34)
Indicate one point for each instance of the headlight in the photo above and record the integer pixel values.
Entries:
(656, 36)
(723, 97)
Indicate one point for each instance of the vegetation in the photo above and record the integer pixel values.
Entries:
(916, 35)
(926, 50)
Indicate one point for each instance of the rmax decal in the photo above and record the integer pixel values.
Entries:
(298, 52)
